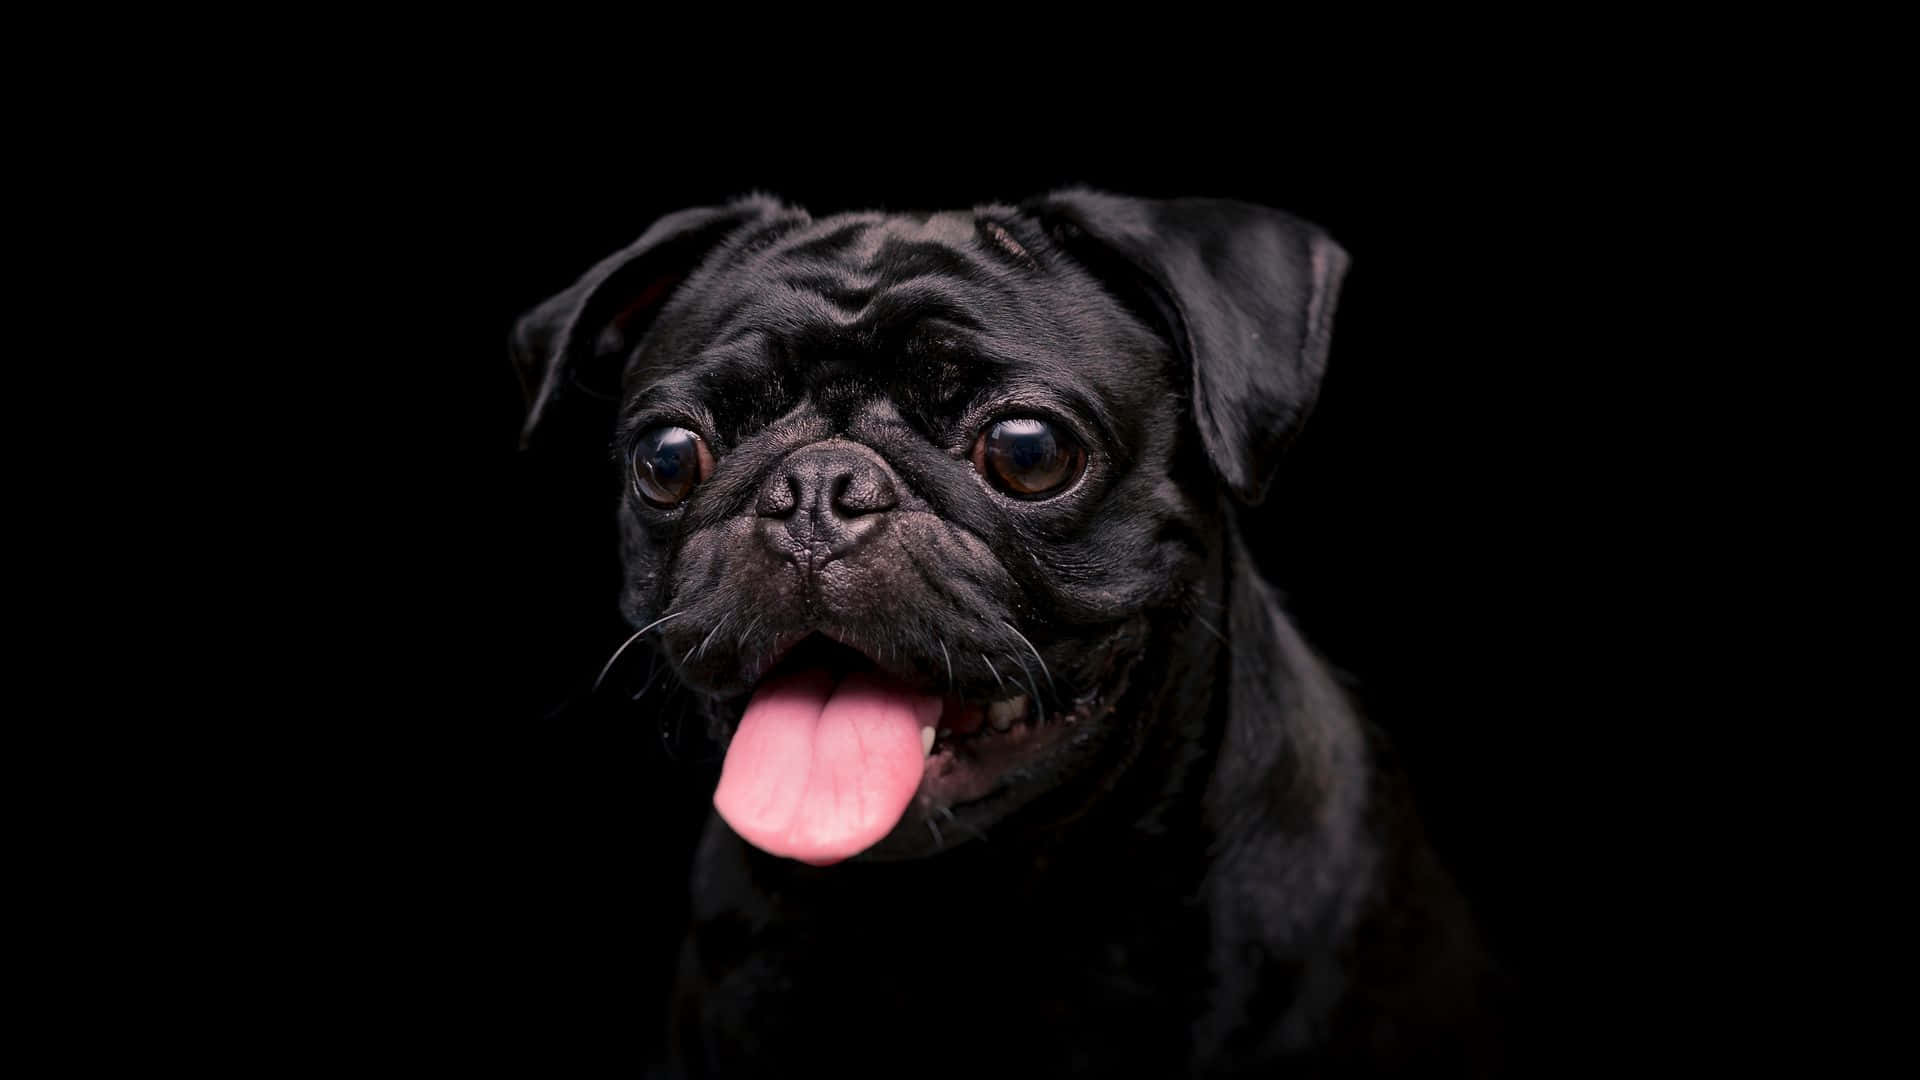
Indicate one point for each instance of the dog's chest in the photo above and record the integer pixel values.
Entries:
(1085, 974)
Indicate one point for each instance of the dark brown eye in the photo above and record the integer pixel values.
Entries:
(1028, 458)
(667, 463)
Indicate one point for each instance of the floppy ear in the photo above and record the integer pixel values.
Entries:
(574, 344)
(1247, 295)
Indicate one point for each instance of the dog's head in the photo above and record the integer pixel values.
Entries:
(910, 497)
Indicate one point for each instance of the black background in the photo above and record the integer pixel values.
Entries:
(1448, 530)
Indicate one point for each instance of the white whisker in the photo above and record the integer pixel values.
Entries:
(996, 673)
(629, 641)
(1036, 656)
(708, 640)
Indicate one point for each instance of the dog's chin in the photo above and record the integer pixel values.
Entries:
(995, 749)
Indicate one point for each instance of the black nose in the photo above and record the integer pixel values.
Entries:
(826, 499)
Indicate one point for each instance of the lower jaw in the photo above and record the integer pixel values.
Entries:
(966, 791)
(974, 783)
(973, 770)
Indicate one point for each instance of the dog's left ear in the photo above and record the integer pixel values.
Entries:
(574, 342)
(1247, 294)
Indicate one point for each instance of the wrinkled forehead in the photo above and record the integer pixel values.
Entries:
(932, 310)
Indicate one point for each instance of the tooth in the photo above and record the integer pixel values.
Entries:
(926, 741)
(1002, 714)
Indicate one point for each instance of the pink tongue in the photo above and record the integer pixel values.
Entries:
(818, 772)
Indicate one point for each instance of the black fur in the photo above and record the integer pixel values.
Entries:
(1219, 877)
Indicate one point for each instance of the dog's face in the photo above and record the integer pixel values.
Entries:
(913, 500)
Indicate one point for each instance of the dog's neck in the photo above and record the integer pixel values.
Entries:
(1259, 751)
(1292, 756)
(1292, 778)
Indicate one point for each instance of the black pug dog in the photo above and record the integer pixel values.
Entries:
(1026, 770)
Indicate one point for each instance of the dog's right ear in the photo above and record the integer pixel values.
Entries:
(575, 343)
(1245, 293)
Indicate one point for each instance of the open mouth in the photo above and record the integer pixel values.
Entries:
(832, 750)
(977, 743)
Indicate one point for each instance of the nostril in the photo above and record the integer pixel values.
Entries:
(862, 491)
(781, 497)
